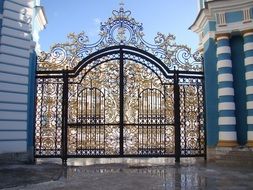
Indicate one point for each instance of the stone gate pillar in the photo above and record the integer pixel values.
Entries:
(248, 61)
(226, 107)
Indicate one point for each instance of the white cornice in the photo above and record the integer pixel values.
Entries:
(41, 17)
(221, 6)
(201, 20)
(228, 5)
(234, 27)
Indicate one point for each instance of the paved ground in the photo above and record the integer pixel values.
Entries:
(123, 174)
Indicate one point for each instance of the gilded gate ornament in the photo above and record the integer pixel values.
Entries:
(119, 96)
(120, 29)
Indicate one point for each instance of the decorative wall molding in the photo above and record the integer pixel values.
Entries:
(247, 17)
(221, 19)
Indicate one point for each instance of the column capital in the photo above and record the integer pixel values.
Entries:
(220, 36)
(247, 32)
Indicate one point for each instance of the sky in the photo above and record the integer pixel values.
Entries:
(165, 16)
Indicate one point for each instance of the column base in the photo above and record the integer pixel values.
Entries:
(250, 143)
(223, 143)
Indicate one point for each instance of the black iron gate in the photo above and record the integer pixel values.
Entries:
(119, 98)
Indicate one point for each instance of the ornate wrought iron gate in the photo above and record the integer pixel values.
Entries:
(120, 96)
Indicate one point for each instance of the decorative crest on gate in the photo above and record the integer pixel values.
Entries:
(120, 29)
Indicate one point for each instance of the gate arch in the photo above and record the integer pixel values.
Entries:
(125, 50)
(120, 96)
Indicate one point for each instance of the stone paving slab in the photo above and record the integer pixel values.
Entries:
(123, 176)
(20, 175)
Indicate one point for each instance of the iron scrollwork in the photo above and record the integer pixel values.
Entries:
(120, 103)
(120, 29)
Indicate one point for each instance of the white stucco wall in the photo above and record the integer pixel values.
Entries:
(16, 45)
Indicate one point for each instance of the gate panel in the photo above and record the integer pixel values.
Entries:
(90, 105)
(192, 116)
(48, 125)
(148, 112)
(93, 121)
(94, 125)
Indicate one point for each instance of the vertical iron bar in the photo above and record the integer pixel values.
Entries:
(64, 117)
(41, 114)
(156, 137)
(91, 122)
(151, 119)
(95, 121)
(100, 118)
(121, 102)
(186, 115)
(204, 116)
(160, 121)
(143, 121)
(138, 121)
(147, 107)
(87, 90)
(165, 117)
(78, 116)
(104, 144)
(198, 115)
(56, 120)
(86, 120)
(204, 107)
(177, 116)
(82, 100)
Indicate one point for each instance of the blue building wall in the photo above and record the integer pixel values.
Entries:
(236, 16)
(211, 92)
(31, 101)
(1, 6)
(228, 107)
(1, 12)
(210, 26)
(237, 54)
